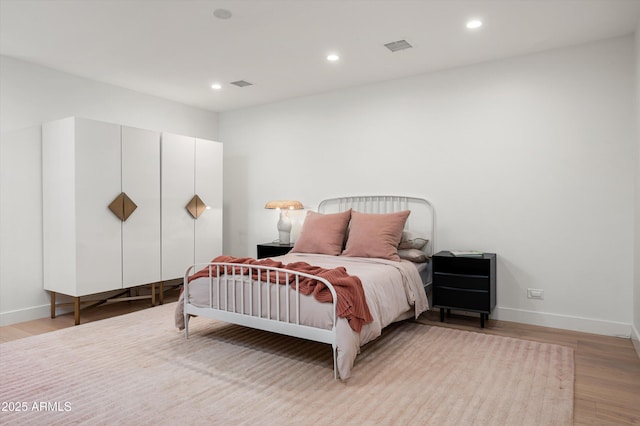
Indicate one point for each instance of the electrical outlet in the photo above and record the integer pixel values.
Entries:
(535, 293)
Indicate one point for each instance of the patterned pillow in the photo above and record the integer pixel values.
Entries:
(411, 240)
(413, 255)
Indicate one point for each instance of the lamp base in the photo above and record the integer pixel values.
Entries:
(284, 227)
(284, 237)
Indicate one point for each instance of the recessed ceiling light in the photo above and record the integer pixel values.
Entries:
(333, 57)
(473, 24)
(216, 86)
(222, 14)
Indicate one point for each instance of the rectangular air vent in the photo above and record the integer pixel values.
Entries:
(394, 46)
(241, 83)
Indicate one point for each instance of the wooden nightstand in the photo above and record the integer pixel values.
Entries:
(273, 249)
(466, 283)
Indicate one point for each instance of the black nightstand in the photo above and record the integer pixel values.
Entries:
(466, 283)
(273, 249)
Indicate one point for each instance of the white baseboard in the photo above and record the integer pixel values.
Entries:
(27, 314)
(566, 322)
(65, 305)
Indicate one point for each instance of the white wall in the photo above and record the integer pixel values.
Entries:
(531, 157)
(636, 283)
(29, 96)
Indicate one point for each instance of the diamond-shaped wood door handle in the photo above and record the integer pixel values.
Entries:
(122, 206)
(196, 207)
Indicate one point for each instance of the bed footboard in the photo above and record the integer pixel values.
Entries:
(249, 295)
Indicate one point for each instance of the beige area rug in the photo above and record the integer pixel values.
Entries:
(138, 369)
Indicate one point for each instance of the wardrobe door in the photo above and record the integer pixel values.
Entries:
(178, 175)
(208, 186)
(141, 184)
(58, 206)
(80, 177)
(98, 231)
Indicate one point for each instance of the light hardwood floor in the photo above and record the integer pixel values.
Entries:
(607, 369)
(95, 313)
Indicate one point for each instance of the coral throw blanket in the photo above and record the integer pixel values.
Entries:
(351, 299)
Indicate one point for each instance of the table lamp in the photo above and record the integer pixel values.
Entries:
(284, 223)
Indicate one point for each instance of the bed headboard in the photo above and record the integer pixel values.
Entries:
(421, 221)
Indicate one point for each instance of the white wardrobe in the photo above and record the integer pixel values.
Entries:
(115, 205)
(190, 167)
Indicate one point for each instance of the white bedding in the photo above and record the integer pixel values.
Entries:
(394, 291)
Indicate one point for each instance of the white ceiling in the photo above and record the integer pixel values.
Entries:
(176, 49)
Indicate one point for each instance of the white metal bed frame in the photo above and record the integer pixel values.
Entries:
(257, 318)
(271, 321)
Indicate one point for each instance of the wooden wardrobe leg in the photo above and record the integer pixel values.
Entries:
(52, 294)
(161, 292)
(153, 294)
(76, 310)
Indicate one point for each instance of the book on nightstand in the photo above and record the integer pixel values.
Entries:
(472, 253)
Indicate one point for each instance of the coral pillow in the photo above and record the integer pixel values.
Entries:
(323, 233)
(375, 235)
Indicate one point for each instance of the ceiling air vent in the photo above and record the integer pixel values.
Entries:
(241, 83)
(394, 46)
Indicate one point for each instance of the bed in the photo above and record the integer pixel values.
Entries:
(303, 293)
